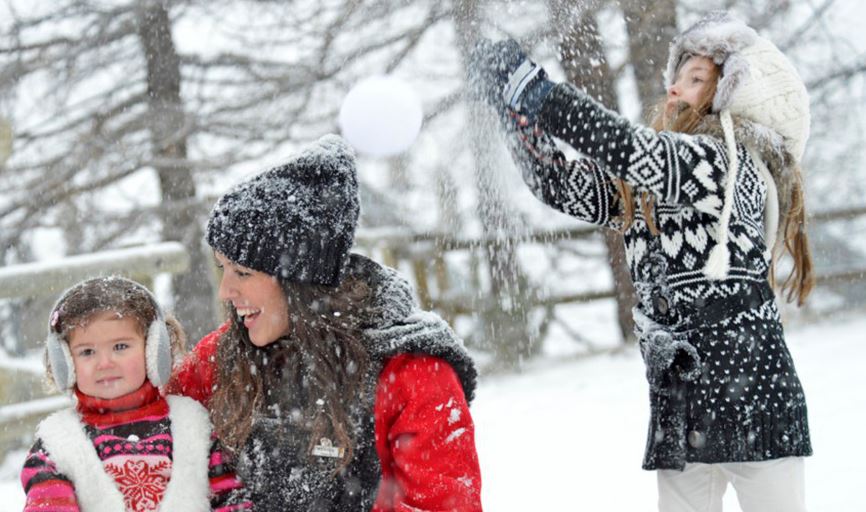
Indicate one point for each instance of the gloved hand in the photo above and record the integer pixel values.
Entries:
(268, 441)
(502, 75)
(667, 355)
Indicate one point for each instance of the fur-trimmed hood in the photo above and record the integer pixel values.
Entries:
(759, 86)
(757, 81)
(722, 39)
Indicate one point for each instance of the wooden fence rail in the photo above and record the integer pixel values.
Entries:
(38, 279)
(426, 255)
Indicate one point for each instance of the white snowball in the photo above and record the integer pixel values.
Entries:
(381, 116)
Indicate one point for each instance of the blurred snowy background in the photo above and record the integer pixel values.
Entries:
(122, 121)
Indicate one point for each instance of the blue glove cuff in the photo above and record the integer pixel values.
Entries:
(534, 97)
(526, 88)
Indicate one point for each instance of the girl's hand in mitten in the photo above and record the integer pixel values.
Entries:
(502, 75)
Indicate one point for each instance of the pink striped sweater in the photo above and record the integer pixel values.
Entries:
(132, 438)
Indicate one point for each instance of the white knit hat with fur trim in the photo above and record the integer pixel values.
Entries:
(757, 83)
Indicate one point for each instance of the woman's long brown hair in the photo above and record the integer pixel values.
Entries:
(318, 369)
(801, 280)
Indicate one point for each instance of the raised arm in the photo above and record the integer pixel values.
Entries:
(677, 168)
(579, 187)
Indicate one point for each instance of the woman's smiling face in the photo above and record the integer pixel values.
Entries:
(258, 299)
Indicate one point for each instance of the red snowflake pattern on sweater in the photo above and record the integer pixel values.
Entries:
(142, 483)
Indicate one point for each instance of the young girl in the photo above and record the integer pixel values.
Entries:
(705, 201)
(333, 389)
(122, 446)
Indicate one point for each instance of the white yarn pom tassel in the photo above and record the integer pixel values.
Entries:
(719, 261)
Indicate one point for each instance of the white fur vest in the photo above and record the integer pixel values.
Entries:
(188, 489)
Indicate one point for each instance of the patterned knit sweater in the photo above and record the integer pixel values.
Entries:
(722, 383)
(132, 437)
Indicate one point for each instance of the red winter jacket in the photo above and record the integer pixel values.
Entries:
(425, 437)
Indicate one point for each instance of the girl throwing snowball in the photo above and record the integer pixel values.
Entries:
(706, 200)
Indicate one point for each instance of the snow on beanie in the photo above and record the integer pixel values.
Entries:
(757, 83)
(296, 221)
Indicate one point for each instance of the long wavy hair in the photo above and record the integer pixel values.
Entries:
(794, 240)
(317, 370)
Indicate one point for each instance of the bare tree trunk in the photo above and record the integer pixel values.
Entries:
(651, 26)
(505, 312)
(12, 311)
(5, 142)
(582, 56)
(193, 290)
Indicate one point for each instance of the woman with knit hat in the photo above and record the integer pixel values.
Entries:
(706, 200)
(330, 386)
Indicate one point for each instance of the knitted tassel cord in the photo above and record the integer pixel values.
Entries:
(719, 261)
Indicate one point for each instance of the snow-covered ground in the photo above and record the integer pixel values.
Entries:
(569, 435)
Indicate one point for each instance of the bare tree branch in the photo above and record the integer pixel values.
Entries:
(841, 74)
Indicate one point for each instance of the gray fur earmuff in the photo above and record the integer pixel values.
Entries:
(158, 356)
(157, 349)
(60, 358)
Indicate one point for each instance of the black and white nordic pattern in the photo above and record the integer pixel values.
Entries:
(576, 187)
(747, 403)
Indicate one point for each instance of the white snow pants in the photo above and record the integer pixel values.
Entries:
(767, 486)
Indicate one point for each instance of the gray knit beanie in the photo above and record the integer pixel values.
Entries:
(295, 222)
